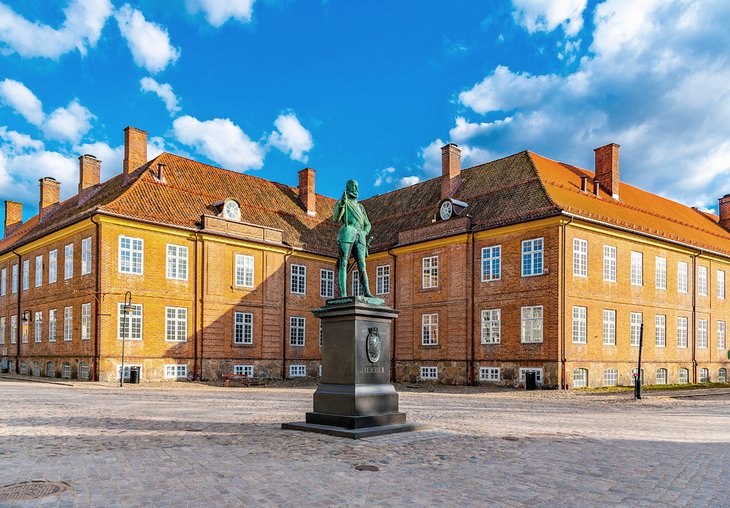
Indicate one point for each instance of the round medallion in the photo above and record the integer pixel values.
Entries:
(374, 345)
(231, 210)
(446, 210)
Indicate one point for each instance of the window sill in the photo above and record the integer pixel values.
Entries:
(242, 344)
(172, 341)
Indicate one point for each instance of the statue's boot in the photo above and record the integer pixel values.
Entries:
(366, 284)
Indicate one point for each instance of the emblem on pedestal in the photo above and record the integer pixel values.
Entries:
(374, 345)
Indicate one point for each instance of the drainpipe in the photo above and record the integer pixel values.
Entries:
(470, 366)
(283, 319)
(204, 277)
(694, 317)
(563, 359)
(18, 324)
(97, 317)
(393, 288)
(196, 302)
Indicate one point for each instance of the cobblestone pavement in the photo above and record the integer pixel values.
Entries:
(207, 446)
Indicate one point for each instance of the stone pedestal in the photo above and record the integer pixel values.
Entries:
(355, 397)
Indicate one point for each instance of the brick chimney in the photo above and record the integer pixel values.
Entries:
(135, 149)
(450, 170)
(306, 191)
(89, 174)
(724, 211)
(607, 168)
(13, 216)
(50, 196)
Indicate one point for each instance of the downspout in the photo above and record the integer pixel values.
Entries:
(97, 318)
(18, 324)
(196, 302)
(694, 318)
(563, 359)
(204, 277)
(470, 366)
(393, 288)
(283, 319)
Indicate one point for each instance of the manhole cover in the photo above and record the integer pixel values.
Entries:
(35, 489)
(367, 467)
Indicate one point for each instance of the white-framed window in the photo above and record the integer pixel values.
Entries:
(85, 321)
(580, 257)
(722, 375)
(382, 280)
(532, 251)
(538, 374)
(429, 329)
(531, 324)
(14, 278)
(609, 263)
(68, 323)
(38, 271)
(243, 370)
(721, 284)
(177, 263)
(244, 271)
(356, 288)
(297, 371)
(326, 283)
(129, 327)
(52, 266)
(68, 261)
(23, 368)
(580, 378)
(26, 274)
(702, 334)
(580, 335)
(682, 332)
(610, 377)
(176, 324)
(704, 375)
(636, 320)
(84, 371)
(430, 272)
(86, 256)
(660, 272)
(609, 327)
(243, 328)
(489, 374)
(128, 371)
(38, 326)
(491, 326)
(299, 279)
(3, 282)
(13, 329)
(131, 255)
(2, 330)
(660, 330)
(297, 330)
(491, 263)
(683, 376)
(702, 280)
(637, 268)
(50, 369)
(176, 371)
(429, 373)
(721, 340)
(661, 376)
(682, 278)
(66, 370)
(52, 319)
(24, 332)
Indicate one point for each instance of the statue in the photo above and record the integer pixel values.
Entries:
(352, 237)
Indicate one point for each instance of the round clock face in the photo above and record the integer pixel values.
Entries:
(446, 210)
(231, 210)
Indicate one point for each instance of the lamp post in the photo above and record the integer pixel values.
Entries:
(637, 377)
(126, 309)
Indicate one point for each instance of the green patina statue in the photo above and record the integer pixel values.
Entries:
(352, 237)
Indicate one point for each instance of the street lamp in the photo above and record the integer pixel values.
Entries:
(126, 309)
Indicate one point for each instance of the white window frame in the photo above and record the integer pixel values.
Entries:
(176, 324)
(243, 328)
(430, 329)
(326, 283)
(429, 373)
(532, 257)
(661, 376)
(609, 263)
(660, 272)
(704, 375)
(491, 326)
(3, 282)
(610, 377)
(65, 370)
(14, 278)
(682, 331)
(134, 319)
(297, 370)
(68, 323)
(86, 256)
(722, 375)
(297, 331)
(609, 327)
(39, 271)
(84, 371)
(176, 261)
(580, 257)
(243, 272)
(580, 325)
(702, 334)
(538, 374)
(721, 284)
(52, 324)
(702, 280)
(86, 321)
(682, 277)
(683, 376)
(13, 329)
(26, 274)
(24, 330)
(637, 268)
(582, 381)
(298, 279)
(176, 371)
(430, 272)
(38, 326)
(382, 280)
(532, 324)
(356, 288)
(491, 263)
(660, 330)
(2, 330)
(490, 374)
(68, 261)
(721, 335)
(636, 319)
(135, 253)
(243, 370)
(52, 266)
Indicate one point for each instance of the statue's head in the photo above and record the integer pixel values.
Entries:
(351, 188)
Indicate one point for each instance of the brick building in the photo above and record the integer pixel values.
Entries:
(520, 264)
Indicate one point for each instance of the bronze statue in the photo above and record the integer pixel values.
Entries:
(352, 237)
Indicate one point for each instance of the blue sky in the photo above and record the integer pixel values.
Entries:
(367, 89)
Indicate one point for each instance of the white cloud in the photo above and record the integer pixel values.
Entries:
(21, 99)
(407, 181)
(149, 42)
(25, 171)
(163, 91)
(431, 156)
(81, 29)
(69, 123)
(218, 12)
(221, 141)
(17, 142)
(384, 176)
(291, 137)
(156, 145)
(111, 157)
(547, 15)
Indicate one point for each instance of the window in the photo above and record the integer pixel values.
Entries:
(38, 327)
(702, 334)
(429, 373)
(532, 257)
(704, 375)
(491, 263)
(356, 286)
(429, 329)
(721, 342)
(26, 274)
(178, 371)
(382, 280)
(299, 279)
(24, 333)
(538, 374)
(84, 371)
(579, 325)
(683, 376)
(2, 330)
(580, 378)
(66, 370)
(176, 324)
(129, 326)
(38, 271)
(721, 284)
(635, 332)
(661, 376)
(430, 272)
(489, 374)
(52, 317)
(68, 323)
(609, 327)
(491, 326)
(13, 329)
(722, 375)
(131, 255)
(660, 329)
(68, 261)
(86, 256)
(14, 279)
(610, 377)
(244, 270)
(660, 273)
(532, 324)
(52, 266)
(702, 280)
(637, 269)
(633, 377)
(177, 263)
(50, 369)
(297, 371)
(580, 257)
(243, 370)
(682, 277)
(24, 368)
(3, 282)
(297, 329)
(682, 332)
(243, 328)
(327, 283)
(85, 321)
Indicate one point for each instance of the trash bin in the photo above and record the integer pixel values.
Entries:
(134, 376)
(530, 381)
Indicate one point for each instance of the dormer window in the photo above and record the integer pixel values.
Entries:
(450, 207)
(231, 210)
